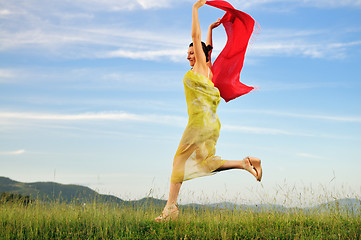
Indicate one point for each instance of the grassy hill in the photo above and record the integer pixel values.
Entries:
(107, 221)
(51, 191)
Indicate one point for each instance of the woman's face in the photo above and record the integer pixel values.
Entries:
(191, 58)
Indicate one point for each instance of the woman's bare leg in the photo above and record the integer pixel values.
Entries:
(232, 165)
(242, 164)
(170, 211)
(245, 164)
(173, 193)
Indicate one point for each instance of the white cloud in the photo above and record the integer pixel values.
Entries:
(98, 42)
(173, 120)
(146, 4)
(123, 5)
(290, 42)
(144, 118)
(4, 12)
(145, 45)
(175, 55)
(332, 3)
(89, 78)
(336, 50)
(86, 5)
(73, 34)
(325, 117)
(270, 5)
(346, 119)
(241, 4)
(18, 152)
(259, 130)
(5, 75)
(113, 116)
(130, 5)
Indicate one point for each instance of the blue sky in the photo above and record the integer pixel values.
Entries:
(91, 93)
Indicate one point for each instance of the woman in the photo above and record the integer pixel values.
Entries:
(195, 155)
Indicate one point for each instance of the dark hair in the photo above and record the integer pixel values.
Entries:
(206, 49)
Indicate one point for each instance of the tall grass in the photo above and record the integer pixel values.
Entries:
(101, 221)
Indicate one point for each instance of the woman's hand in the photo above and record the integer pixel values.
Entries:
(199, 3)
(215, 24)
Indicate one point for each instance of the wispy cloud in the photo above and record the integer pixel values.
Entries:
(4, 12)
(266, 131)
(173, 120)
(102, 42)
(17, 152)
(332, 3)
(161, 46)
(123, 5)
(345, 119)
(113, 116)
(175, 55)
(143, 118)
(84, 5)
(61, 32)
(244, 4)
(336, 50)
(306, 43)
(90, 78)
(287, 86)
(6, 75)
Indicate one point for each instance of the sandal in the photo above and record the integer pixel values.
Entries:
(169, 213)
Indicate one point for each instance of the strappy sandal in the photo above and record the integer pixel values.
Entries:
(170, 213)
(256, 166)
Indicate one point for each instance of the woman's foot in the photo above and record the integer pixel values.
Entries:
(169, 213)
(253, 165)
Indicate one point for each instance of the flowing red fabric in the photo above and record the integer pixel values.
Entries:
(228, 65)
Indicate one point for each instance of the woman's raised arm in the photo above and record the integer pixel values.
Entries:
(200, 65)
(209, 35)
(210, 28)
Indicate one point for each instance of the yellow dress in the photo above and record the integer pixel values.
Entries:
(195, 156)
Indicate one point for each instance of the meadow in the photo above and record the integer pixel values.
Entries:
(41, 220)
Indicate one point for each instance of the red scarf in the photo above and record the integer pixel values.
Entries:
(228, 65)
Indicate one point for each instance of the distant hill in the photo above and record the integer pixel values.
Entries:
(51, 191)
(351, 205)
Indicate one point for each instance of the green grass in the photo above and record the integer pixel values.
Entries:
(100, 221)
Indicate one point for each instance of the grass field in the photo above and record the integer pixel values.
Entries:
(101, 221)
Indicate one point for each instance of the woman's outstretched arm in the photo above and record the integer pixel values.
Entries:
(201, 65)
(209, 35)
(210, 28)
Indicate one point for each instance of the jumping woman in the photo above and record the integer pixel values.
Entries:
(195, 156)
